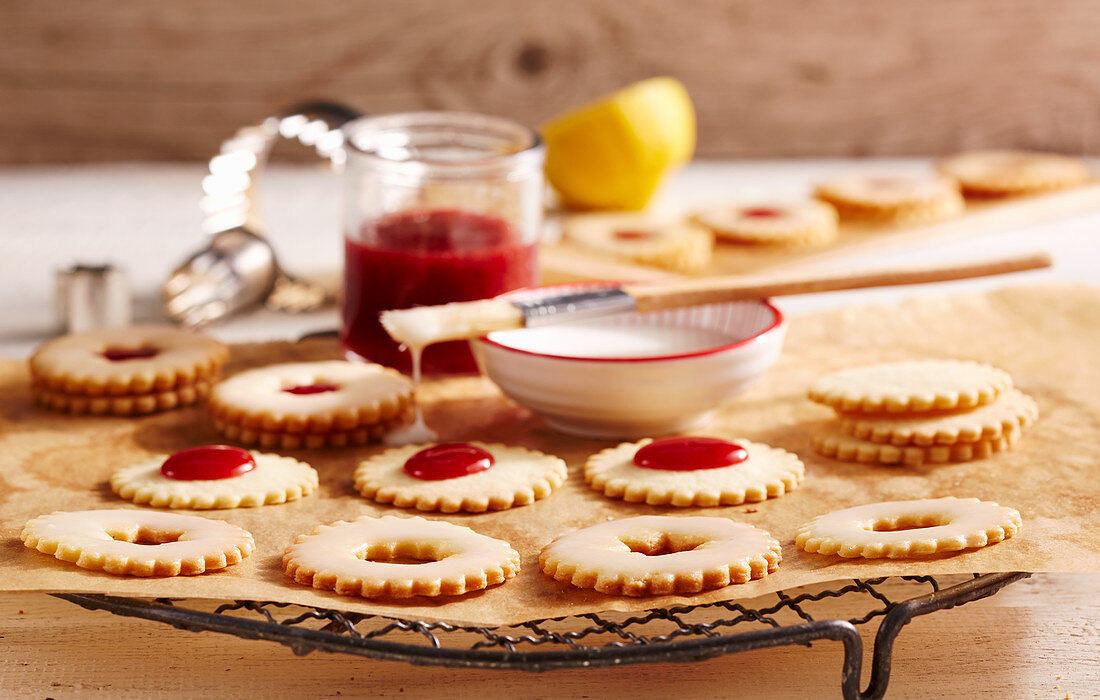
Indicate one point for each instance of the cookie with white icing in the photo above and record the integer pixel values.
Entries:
(901, 529)
(139, 542)
(393, 557)
(661, 555)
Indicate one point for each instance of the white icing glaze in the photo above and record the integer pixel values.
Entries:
(596, 338)
(417, 431)
(424, 325)
(720, 542)
(338, 550)
(93, 532)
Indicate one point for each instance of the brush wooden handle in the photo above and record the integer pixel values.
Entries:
(675, 294)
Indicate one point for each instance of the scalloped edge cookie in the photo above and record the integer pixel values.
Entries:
(666, 243)
(297, 441)
(518, 477)
(769, 472)
(105, 540)
(1011, 412)
(902, 529)
(831, 441)
(275, 479)
(73, 364)
(857, 198)
(254, 401)
(911, 386)
(629, 556)
(799, 224)
(137, 404)
(457, 560)
(1007, 173)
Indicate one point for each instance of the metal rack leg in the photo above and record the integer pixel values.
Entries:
(981, 587)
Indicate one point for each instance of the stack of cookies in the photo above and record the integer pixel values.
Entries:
(924, 411)
(311, 404)
(126, 371)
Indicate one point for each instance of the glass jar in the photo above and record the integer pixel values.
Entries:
(440, 207)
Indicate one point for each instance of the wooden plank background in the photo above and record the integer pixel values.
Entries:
(117, 80)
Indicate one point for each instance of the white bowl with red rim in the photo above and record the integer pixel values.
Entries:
(633, 375)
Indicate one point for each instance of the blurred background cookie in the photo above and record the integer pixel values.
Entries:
(772, 223)
(661, 242)
(1001, 173)
(892, 198)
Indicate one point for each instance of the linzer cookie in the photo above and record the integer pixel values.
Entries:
(1002, 173)
(892, 199)
(661, 555)
(139, 543)
(1010, 413)
(673, 245)
(901, 529)
(779, 224)
(311, 404)
(452, 477)
(126, 371)
(215, 476)
(911, 387)
(392, 557)
(693, 471)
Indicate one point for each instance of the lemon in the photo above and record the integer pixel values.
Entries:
(614, 153)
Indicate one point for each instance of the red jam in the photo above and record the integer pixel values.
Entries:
(632, 235)
(121, 354)
(448, 461)
(315, 388)
(761, 213)
(208, 463)
(423, 257)
(683, 454)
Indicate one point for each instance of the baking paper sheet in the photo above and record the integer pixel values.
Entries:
(1047, 337)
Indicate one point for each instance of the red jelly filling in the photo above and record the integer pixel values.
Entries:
(208, 463)
(761, 213)
(682, 454)
(424, 257)
(448, 461)
(315, 388)
(121, 354)
(633, 235)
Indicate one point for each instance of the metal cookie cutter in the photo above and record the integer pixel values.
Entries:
(238, 268)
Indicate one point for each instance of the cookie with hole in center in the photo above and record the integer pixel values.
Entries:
(311, 404)
(1007, 173)
(661, 555)
(791, 224)
(660, 242)
(884, 199)
(903, 529)
(126, 371)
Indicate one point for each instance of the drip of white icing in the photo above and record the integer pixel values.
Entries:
(418, 431)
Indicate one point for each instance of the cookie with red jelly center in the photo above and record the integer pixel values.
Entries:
(215, 476)
(459, 476)
(797, 223)
(693, 471)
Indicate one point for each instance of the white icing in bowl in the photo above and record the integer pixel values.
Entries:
(634, 375)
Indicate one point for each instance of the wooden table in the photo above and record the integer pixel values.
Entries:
(1036, 638)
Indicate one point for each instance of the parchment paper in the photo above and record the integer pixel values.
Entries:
(1047, 337)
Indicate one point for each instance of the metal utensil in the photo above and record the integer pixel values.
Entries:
(238, 268)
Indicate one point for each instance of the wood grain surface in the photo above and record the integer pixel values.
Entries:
(104, 80)
(1036, 638)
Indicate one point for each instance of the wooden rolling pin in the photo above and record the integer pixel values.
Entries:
(431, 324)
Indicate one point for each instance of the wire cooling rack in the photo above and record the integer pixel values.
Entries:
(685, 633)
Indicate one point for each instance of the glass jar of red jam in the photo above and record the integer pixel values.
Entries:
(441, 207)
